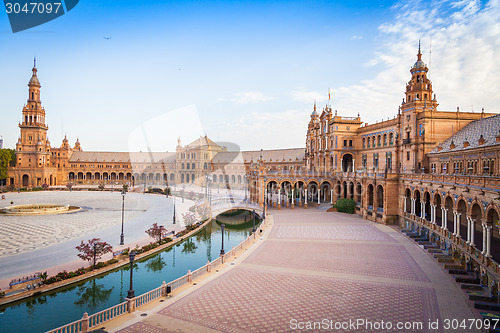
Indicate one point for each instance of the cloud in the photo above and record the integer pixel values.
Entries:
(257, 130)
(356, 37)
(247, 97)
(464, 37)
(309, 96)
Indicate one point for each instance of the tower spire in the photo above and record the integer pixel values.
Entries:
(419, 55)
(34, 62)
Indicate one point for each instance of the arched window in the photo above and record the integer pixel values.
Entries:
(205, 166)
(192, 166)
(32, 95)
(188, 165)
(182, 166)
(385, 139)
(368, 142)
(364, 142)
(391, 138)
(378, 140)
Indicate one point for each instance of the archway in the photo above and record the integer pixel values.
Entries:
(438, 217)
(370, 196)
(476, 215)
(380, 198)
(448, 206)
(492, 221)
(351, 190)
(344, 187)
(347, 163)
(408, 200)
(427, 206)
(462, 210)
(312, 191)
(26, 180)
(359, 193)
(418, 205)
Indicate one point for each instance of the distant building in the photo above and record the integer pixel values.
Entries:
(1, 143)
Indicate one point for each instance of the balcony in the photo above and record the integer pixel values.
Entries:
(406, 141)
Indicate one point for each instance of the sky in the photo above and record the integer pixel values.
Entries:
(246, 72)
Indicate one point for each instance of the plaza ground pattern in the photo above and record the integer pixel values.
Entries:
(314, 266)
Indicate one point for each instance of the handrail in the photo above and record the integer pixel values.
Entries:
(107, 314)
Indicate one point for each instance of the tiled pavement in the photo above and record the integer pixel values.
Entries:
(320, 267)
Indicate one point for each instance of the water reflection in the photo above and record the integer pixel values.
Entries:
(92, 295)
(189, 246)
(156, 263)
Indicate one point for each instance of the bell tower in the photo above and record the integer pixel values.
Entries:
(33, 148)
(417, 110)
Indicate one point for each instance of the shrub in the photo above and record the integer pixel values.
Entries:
(345, 206)
(2, 293)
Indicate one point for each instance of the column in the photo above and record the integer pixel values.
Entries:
(331, 196)
(472, 227)
(468, 229)
(279, 198)
(433, 210)
(457, 228)
(293, 199)
(484, 239)
(404, 209)
(319, 193)
(305, 198)
(444, 217)
(422, 210)
(488, 240)
(412, 206)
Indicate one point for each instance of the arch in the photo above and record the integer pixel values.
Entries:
(182, 178)
(439, 213)
(359, 193)
(427, 206)
(158, 178)
(192, 178)
(233, 179)
(105, 176)
(347, 163)
(239, 179)
(187, 177)
(351, 190)
(214, 178)
(370, 196)
(418, 205)
(462, 209)
(380, 198)
(50, 180)
(129, 176)
(188, 166)
(448, 206)
(344, 189)
(192, 166)
(88, 176)
(71, 176)
(221, 178)
(337, 190)
(312, 189)
(408, 200)
(80, 176)
(121, 176)
(325, 188)
(182, 166)
(384, 139)
(172, 177)
(26, 179)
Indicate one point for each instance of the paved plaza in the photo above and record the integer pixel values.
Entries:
(31, 243)
(314, 266)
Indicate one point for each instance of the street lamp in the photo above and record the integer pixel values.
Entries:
(253, 229)
(173, 218)
(222, 248)
(122, 237)
(131, 293)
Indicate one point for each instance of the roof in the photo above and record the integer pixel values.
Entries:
(134, 157)
(273, 155)
(488, 127)
(203, 141)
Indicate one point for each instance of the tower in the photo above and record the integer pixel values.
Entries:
(417, 110)
(33, 148)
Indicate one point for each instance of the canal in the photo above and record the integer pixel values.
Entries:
(48, 311)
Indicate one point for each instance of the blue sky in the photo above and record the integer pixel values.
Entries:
(244, 72)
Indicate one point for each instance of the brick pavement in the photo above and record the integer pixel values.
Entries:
(318, 266)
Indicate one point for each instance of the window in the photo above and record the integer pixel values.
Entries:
(345, 143)
(407, 155)
(350, 143)
(364, 142)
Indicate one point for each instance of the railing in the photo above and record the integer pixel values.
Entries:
(82, 325)
(148, 297)
(108, 314)
(73, 327)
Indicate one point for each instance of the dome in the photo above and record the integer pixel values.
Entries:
(34, 80)
(315, 113)
(419, 64)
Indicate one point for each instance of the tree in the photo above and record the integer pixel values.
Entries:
(203, 211)
(189, 218)
(69, 186)
(7, 159)
(93, 250)
(157, 232)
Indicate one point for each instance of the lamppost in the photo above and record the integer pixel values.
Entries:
(131, 293)
(222, 248)
(253, 229)
(173, 218)
(122, 236)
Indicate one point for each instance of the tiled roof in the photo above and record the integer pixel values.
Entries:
(203, 141)
(280, 155)
(488, 127)
(134, 157)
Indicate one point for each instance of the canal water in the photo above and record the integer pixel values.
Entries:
(42, 313)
